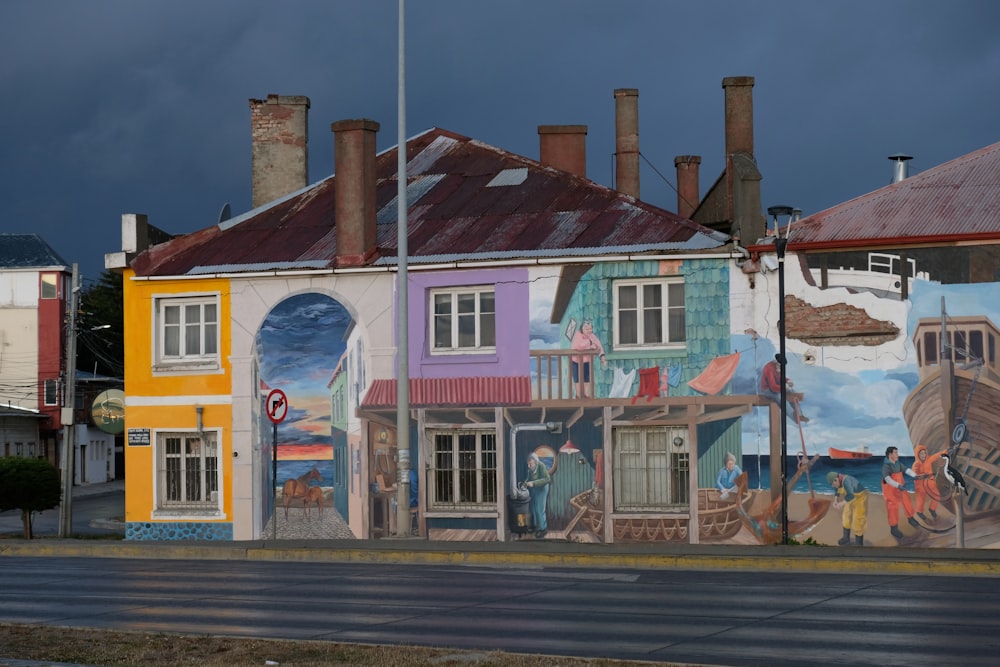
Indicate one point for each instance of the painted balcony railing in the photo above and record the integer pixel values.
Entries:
(563, 375)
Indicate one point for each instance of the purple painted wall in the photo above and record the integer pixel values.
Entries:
(512, 318)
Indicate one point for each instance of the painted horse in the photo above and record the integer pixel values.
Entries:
(299, 488)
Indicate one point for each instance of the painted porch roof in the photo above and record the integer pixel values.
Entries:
(957, 200)
(440, 392)
(466, 200)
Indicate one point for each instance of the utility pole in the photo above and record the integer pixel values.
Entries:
(402, 303)
(67, 417)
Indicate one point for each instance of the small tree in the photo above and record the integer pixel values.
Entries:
(29, 485)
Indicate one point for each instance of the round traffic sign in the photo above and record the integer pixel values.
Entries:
(276, 406)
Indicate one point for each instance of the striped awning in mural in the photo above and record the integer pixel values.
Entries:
(467, 391)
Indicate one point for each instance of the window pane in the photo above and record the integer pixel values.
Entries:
(192, 466)
(976, 344)
(930, 347)
(488, 448)
(487, 330)
(652, 325)
(211, 468)
(467, 330)
(678, 326)
(444, 491)
(49, 290)
(467, 468)
(192, 329)
(51, 392)
(172, 468)
(627, 296)
(466, 303)
(211, 339)
(442, 320)
(172, 342)
(192, 340)
(675, 295)
(209, 314)
(487, 320)
(486, 301)
(679, 476)
(466, 320)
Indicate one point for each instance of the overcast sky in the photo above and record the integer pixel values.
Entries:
(123, 106)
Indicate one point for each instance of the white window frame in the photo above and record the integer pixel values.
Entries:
(462, 470)
(50, 392)
(207, 355)
(182, 490)
(481, 319)
(651, 469)
(643, 312)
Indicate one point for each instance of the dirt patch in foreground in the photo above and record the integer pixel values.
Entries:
(106, 648)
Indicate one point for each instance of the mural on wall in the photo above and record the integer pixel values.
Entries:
(845, 414)
(846, 406)
(299, 346)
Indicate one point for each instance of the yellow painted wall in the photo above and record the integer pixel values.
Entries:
(141, 385)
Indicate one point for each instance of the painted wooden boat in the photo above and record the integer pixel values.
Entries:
(850, 454)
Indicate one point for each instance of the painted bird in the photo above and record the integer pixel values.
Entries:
(953, 476)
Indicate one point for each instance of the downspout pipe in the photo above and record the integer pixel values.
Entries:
(551, 427)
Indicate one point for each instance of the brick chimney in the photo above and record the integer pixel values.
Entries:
(354, 170)
(688, 194)
(564, 147)
(748, 223)
(627, 141)
(739, 114)
(279, 131)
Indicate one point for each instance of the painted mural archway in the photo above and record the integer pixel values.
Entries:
(302, 348)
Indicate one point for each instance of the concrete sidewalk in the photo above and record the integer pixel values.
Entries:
(818, 559)
(526, 553)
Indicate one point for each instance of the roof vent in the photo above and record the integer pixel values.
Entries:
(899, 169)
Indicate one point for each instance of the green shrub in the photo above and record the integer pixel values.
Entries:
(29, 485)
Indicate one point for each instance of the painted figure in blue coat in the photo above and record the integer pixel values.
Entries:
(725, 482)
(538, 481)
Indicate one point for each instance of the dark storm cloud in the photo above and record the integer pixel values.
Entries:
(114, 107)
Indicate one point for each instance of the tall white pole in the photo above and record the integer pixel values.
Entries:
(66, 506)
(402, 303)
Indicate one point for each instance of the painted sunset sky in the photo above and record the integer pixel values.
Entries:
(299, 346)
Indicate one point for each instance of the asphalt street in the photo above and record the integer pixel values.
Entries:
(740, 619)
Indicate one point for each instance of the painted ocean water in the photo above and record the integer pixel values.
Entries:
(869, 473)
(292, 469)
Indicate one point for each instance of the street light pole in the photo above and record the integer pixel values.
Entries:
(67, 418)
(780, 244)
(402, 300)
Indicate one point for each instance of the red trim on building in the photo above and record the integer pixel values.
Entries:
(474, 391)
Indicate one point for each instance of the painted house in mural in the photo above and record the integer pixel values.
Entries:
(891, 340)
(551, 319)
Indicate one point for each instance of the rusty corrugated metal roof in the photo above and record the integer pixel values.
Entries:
(465, 199)
(441, 392)
(958, 200)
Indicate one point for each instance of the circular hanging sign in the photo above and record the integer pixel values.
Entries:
(276, 406)
(108, 411)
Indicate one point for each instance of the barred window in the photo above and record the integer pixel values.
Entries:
(463, 471)
(188, 475)
(651, 469)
